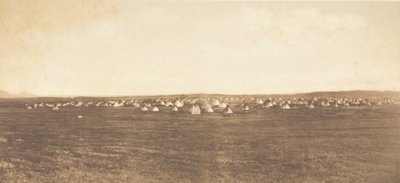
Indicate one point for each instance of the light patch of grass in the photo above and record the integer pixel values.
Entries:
(3, 140)
(6, 165)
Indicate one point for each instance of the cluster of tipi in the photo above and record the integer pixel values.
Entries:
(209, 105)
(196, 106)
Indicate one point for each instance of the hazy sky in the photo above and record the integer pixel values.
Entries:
(96, 47)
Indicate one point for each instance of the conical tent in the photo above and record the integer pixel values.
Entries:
(209, 109)
(169, 103)
(269, 104)
(162, 103)
(216, 102)
(246, 108)
(222, 105)
(178, 103)
(195, 110)
(155, 109)
(285, 106)
(228, 110)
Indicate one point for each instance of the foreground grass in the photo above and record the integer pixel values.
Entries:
(126, 145)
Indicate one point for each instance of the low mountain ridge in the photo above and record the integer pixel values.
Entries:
(23, 94)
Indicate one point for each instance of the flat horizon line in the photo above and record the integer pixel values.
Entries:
(245, 94)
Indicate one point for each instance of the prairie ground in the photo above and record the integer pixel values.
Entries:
(357, 144)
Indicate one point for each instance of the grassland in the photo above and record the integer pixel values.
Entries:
(357, 144)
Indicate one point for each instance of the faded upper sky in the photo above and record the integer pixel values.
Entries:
(95, 47)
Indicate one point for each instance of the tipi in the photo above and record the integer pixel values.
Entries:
(144, 108)
(195, 110)
(208, 108)
(155, 109)
(228, 110)
(246, 108)
(285, 106)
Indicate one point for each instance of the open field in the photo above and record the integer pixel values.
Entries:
(355, 144)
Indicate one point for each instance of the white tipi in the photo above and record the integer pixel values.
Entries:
(285, 106)
(228, 110)
(178, 103)
(144, 108)
(195, 110)
(246, 108)
(175, 108)
(311, 106)
(216, 102)
(208, 108)
(155, 109)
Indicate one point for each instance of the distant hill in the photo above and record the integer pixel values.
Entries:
(4, 94)
(353, 93)
(23, 94)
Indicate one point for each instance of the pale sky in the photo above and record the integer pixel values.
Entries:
(91, 47)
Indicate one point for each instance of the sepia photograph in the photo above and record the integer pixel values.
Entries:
(101, 91)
